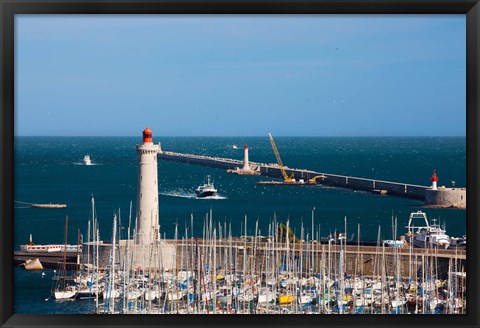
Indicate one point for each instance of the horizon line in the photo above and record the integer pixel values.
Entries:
(249, 136)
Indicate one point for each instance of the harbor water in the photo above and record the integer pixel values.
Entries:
(50, 170)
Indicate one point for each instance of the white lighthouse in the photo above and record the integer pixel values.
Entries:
(434, 180)
(246, 166)
(147, 191)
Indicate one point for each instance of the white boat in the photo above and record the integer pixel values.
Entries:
(51, 248)
(394, 243)
(458, 242)
(62, 288)
(43, 248)
(68, 293)
(206, 190)
(90, 291)
(426, 235)
(87, 160)
(265, 295)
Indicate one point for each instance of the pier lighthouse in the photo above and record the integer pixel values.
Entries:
(434, 180)
(147, 191)
(246, 166)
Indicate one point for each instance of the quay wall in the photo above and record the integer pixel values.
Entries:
(130, 255)
(171, 255)
(447, 197)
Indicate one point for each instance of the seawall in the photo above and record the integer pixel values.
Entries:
(443, 197)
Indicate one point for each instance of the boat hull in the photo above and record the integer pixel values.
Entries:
(206, 194)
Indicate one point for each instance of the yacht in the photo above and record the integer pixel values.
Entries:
(426, 235)
(206, 190)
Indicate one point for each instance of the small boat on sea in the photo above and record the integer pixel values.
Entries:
(49, 205)
(426, 235)
(87, 160)
(206, 190)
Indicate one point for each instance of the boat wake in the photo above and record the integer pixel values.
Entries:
(212, 197)
(189, 195)
(82, 164)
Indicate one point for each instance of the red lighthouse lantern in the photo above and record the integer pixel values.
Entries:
(147, 135)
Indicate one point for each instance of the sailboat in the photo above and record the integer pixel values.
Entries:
(62, 289)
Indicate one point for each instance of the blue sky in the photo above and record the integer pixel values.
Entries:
(234, 75)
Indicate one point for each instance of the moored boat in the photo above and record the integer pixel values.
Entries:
(458, 242)
(426, 235)
(286, 299)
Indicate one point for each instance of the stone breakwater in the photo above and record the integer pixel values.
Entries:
(442, 197)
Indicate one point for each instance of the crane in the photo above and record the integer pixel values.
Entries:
(314, 179)
(286, 178)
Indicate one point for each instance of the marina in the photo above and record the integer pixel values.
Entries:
(279, 271)
(221, 274)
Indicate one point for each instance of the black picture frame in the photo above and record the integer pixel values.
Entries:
(9, 8)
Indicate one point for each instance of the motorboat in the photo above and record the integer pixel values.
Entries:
(206, 190)
(426, 235)
(458, 242)
(87, 160)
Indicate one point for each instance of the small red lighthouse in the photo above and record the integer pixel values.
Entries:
(434, 180)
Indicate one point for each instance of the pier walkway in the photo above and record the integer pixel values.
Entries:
(327, 179)
(262, 246)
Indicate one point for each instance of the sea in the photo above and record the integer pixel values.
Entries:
(50, 170)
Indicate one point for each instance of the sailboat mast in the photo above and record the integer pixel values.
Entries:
(65, 254)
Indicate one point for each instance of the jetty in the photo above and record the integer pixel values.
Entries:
(431, 195)
(327, 179)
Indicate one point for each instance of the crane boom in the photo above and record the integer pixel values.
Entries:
(286, 178)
